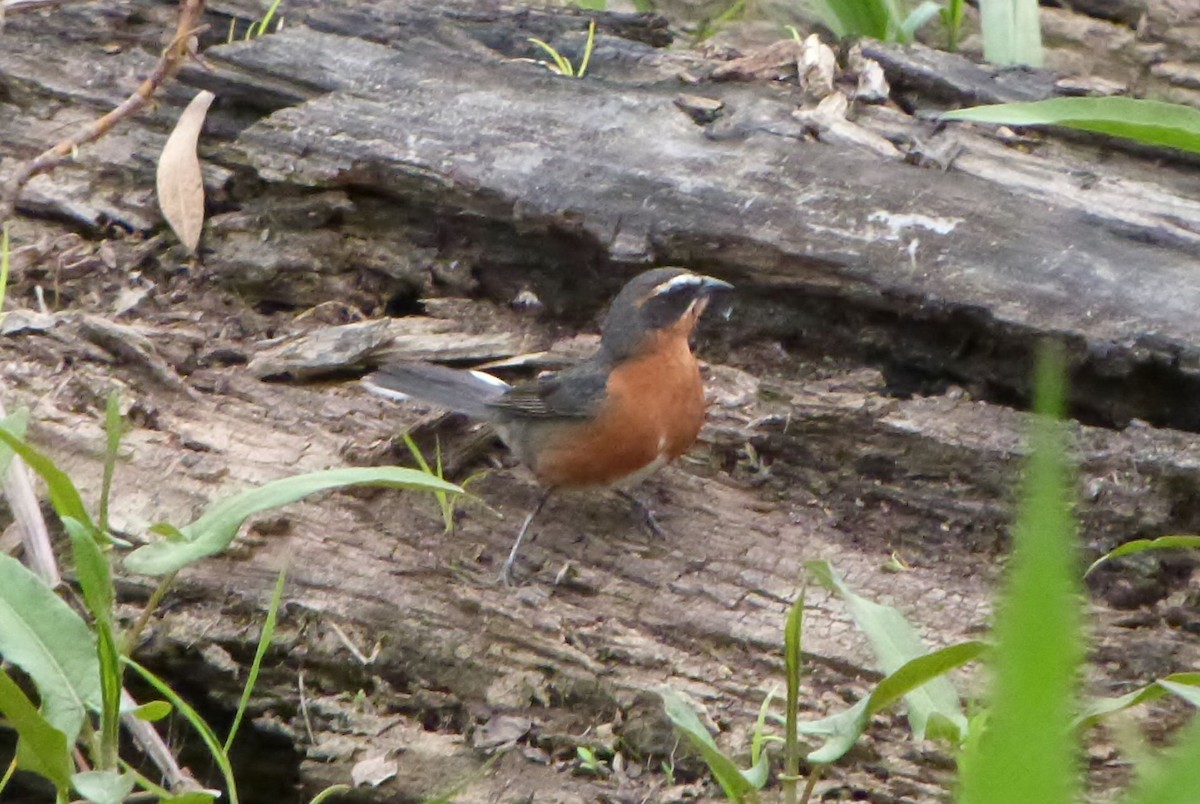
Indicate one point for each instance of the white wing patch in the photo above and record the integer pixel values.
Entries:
(490, 380)
(385, 392)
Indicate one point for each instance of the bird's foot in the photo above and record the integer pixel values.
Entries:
(646, 513)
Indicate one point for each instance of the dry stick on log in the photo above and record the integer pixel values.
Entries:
(168, 64)
(17, 486)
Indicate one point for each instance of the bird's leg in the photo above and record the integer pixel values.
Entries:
(646, 512)
(506, 570)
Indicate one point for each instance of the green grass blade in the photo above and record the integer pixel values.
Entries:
(44, 637)
(1145, 121)
(190, 797)
(1189, 692)
(759, 768)
(895, 643)
(95, 579)
(266, 20)
(793, 632)
(193, 717)
(42, 748)
(724, 769)
(916, 19)
(264, 642)
(114, 428)
(332, 790)
(1012, 32)
(443, 499)
(874, 18)
(1142, 545)
(560, 61)
(217, 527)
(952, 19)
(587, 49)
(1177, 780)
(1101, 708)
(1039, 648)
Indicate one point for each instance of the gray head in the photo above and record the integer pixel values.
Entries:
(654, 301)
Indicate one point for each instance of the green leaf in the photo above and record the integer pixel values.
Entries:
(332, 790)
(1028, 751)
(844, 728)
(1101, 708)
(793, 632)
(759, 770)
(562, 65)
(217, 527)
(43, 749)
(592, 5)
(1189, 691)
(63, 494)
(726, 771)
(114, 428)
(895, 643)
(95, 579)
(264, 642)
(103, 786)
(16, 423)
(916, 19)
(1176, 781)
(42, 635)
(91, 567)
(1142, 545)
(193, 797)
(588, 47)
(1011, 31)
(151, 711)
(1145, 121)
(872, 18)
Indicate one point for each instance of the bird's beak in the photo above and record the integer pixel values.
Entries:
(711, 284)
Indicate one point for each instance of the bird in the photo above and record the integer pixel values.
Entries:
(633, 406)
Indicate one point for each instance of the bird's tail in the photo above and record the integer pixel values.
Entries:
(459, 390)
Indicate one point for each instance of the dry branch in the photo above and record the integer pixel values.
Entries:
(168, 64)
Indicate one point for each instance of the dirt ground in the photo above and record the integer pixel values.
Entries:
(396, 642)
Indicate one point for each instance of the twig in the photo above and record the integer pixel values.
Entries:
(168, 64)
(350, 646)
(813, 776)
(13, 6)
(18, 488)
(312, 739)
(148, 739)
(135, 633)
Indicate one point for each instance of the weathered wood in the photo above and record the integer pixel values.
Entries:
(388, 154)
(636, 181)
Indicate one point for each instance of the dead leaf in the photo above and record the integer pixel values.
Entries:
(373, 771)
(180, 186)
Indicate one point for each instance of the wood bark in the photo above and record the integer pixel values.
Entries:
(867, 388)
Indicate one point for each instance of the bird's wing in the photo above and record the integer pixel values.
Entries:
(577, 392)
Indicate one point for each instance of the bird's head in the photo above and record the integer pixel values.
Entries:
(664, 300)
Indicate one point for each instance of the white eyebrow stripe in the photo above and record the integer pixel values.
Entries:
(677, 281)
